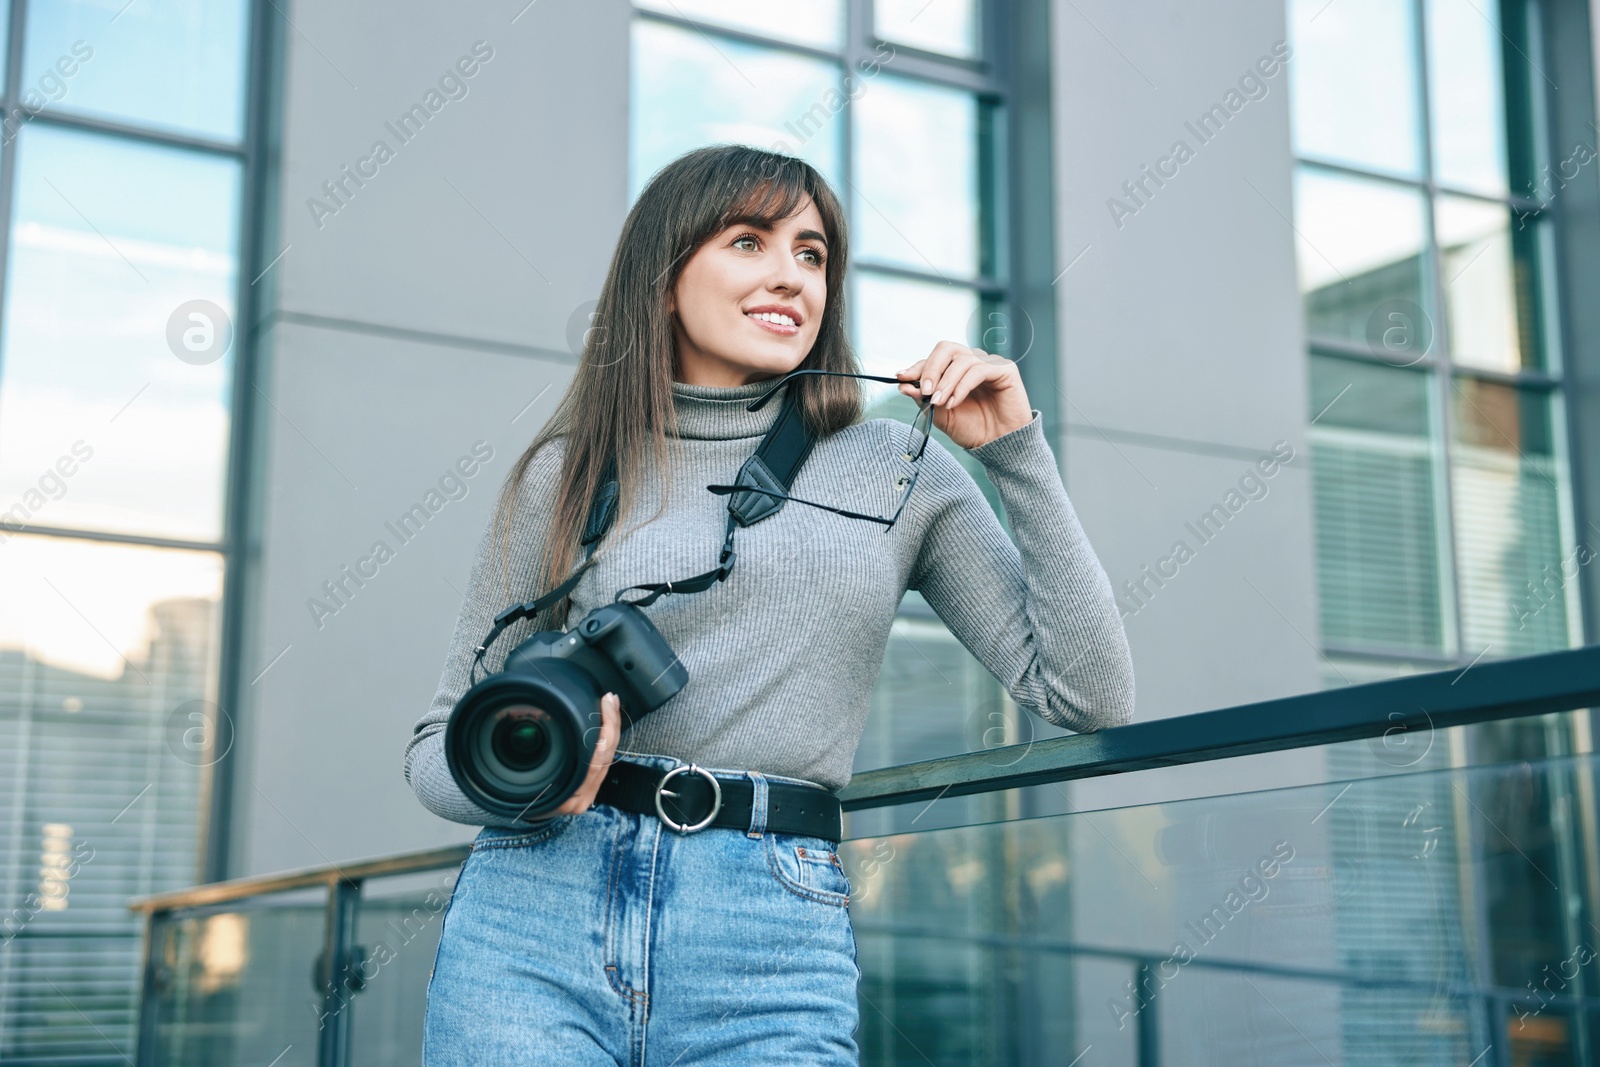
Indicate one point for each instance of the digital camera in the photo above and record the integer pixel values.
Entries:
(520, 741)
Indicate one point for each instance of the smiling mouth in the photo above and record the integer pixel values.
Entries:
(774, 322)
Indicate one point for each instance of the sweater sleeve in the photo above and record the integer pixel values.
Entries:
(1039, 613)
(490, 589)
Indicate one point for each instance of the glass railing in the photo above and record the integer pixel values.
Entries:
(1343, 923)
(240, 972)
(1443, 915)
(231, 983)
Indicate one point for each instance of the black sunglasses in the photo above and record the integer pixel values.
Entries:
(916, 443)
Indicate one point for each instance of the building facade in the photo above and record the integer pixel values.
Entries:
(1301, 289)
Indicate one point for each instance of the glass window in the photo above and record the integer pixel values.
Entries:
(175, 66)
(898, 320)
(917, 195)
(1488, 261)
(1399, 266)
(1516, 582)
(1359, 248)
(1352, 395)
(689, 90)
(115, 246)
(817, 22)
(107, 676)
(5, 54)
(1354, 79)
(1376, 522)
(949, 27)
(1467, 95)
(117, 356)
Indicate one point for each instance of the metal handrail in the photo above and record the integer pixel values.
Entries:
(1501, 689)
(327, 875)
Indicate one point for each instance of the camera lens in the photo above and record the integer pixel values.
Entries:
(517, 745)
(520, 741)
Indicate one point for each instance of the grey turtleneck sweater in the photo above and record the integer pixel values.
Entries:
(782, 656)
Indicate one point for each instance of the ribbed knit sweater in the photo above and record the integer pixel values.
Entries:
(782, 656)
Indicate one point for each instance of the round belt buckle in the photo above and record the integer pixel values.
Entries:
(716, 798)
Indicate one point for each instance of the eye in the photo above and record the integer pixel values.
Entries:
(744, 237)
(817, 257)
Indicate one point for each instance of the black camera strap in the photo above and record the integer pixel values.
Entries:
(770, 469)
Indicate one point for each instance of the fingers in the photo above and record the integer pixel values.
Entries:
(969, 377)
(947, 373)
(935, 367)
(610, 730)
(605, 749)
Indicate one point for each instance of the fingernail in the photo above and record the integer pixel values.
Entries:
(927, 384)
(937, 395)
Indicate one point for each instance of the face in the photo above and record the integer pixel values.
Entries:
(749, 302)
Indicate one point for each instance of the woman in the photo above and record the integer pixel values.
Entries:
(599, 935)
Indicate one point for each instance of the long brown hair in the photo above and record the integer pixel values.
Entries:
(619, 405)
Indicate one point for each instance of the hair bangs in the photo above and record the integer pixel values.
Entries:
(766, 198)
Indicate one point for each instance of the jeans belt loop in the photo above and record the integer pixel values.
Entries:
(758, 804)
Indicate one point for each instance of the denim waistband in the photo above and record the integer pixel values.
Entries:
(666, 763)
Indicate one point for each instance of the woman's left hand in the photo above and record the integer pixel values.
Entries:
(977, 396)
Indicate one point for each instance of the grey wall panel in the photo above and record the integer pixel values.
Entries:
(420, 317)
(363, 428)
(1231, 618)
(495, 216)
(1182, 317)
(1181, 341)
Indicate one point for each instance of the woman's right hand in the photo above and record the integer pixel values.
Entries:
(604, 751)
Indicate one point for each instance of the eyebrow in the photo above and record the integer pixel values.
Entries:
(761, 224)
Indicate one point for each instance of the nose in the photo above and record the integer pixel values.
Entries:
(786, 273)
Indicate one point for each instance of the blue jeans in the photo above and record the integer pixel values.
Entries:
(607, 938)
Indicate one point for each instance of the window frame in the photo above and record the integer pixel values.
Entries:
(1528, 126)
(261, 77)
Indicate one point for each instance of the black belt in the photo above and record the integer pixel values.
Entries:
(684, 798)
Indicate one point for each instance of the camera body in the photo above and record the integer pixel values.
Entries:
(519, 742)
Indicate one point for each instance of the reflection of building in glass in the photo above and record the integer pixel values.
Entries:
(1344, 309)
(1441, 512)
(184, 635)
(95, 808)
